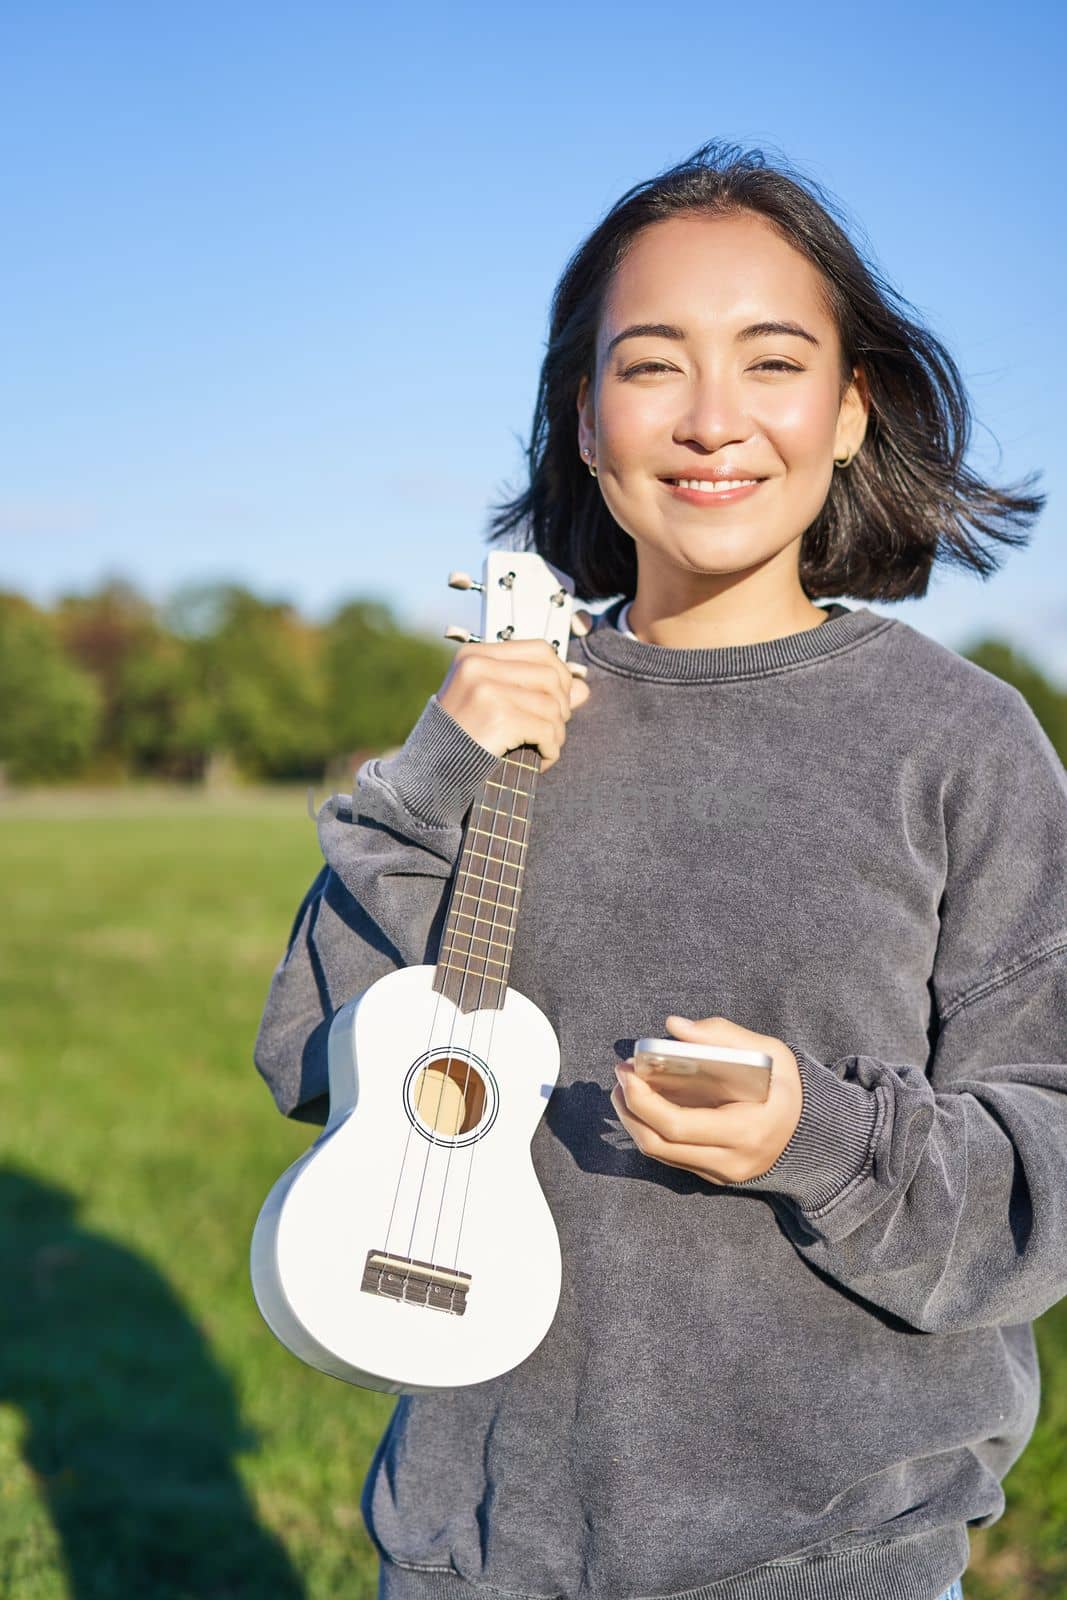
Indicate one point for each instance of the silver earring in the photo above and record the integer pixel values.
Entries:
(592, 468)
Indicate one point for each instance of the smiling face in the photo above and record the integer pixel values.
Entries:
(707, 393)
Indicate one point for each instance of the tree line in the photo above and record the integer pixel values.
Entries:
(108, 686)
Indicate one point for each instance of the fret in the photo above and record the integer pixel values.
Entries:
(490, 894)
(499, 819)
(501, 935)
(455, 968)
(470, 993)
(509, 844)
(508, 794)
(515, 790)
(494, 826)
(497, 926)
(472, 916)
(506, 839)
(465, 894)
(484, 873)
(491, 820)
(515, 824)
(512, 866)
(476, 962)
(508, 788)
(486, 855)
(501, 944)
(488, 897)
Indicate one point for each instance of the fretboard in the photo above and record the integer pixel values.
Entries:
(475, 953)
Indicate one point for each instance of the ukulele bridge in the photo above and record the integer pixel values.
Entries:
(420, 1283)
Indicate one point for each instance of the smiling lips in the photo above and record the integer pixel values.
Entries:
(711, 485)
(717, 491)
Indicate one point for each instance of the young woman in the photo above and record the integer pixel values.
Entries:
(792, 1355)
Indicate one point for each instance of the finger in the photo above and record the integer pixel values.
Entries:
(546, 732)
(530, 652)
(724, 1126)
(536, 653)
(545, 707)
(545, 677)
(714, 1030)
(520, 649)
(649, 1142)
(543, 654)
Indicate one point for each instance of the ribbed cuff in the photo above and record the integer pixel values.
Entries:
(831, 1144)
(438, 770)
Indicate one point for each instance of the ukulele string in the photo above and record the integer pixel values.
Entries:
(532, 773)
(492, 1026)
(441, 955)
(508, 760)
(407, 1141)
(433, 1141)
(487, 857)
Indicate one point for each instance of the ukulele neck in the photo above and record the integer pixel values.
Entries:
(475, 953)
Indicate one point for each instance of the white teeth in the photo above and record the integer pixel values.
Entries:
(711, 486)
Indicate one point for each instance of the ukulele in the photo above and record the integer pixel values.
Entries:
(411, 1248)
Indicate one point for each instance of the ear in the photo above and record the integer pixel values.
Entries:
(586, 418)
(852, 415)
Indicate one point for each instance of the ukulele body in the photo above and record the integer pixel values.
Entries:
(412, 1248)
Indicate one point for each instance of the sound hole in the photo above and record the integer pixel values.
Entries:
(449, 1096)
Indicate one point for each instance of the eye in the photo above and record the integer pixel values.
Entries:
(660, 366)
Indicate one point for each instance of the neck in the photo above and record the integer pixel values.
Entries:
(475, 954)
(715, 610)
(694, 628)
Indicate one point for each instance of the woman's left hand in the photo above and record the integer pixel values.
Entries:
(724, 1144)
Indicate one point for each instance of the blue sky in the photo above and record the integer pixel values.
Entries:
(276, 277)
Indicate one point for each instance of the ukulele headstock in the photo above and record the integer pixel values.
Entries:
(523, 597)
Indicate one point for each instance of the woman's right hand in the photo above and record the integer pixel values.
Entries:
(513, 692)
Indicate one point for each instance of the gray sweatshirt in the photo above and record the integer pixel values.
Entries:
(802, 1387)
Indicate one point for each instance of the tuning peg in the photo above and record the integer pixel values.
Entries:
(463, 635)
(463, 580)
(581, 622)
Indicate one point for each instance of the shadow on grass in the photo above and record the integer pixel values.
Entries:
(131, 1427)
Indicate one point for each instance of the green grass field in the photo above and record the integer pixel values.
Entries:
(156, 1443)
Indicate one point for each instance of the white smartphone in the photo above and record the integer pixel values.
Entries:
(703, 1074)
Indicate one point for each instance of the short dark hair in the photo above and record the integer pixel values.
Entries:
(906, 500)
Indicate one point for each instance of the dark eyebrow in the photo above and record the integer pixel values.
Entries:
(755, 330)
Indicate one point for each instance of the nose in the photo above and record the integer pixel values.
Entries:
(713, 415)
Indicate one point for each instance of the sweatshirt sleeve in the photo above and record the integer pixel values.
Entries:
(377, 903)
(938, 1190)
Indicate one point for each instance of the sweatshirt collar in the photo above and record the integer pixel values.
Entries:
(633, 658)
